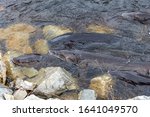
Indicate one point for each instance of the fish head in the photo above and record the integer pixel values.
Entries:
(27, 60)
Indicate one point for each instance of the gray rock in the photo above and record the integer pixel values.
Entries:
(4, 90)
(55, 80)
(24, 84)
(20, 94)
(87, 94)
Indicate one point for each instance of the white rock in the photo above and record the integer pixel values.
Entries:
(87, 94)
(8, 97)
(24, 84)
(143, 97)
(55, 80)
(20, 94)
(33, 97)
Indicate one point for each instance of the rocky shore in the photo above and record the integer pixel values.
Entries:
(73, 50)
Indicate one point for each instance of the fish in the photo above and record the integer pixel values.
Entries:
(28, 60)
(141, 17)
(80, 40)
(100, 60)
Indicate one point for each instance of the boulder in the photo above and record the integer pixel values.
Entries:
(53, 80)
(102, 85)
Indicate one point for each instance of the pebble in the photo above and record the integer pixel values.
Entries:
(87, 94)
(4, 90)
(24, 84)
(8, 97)
(20, 94)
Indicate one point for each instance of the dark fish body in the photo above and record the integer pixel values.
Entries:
(79, 40)
(100, 60)
(141, 17)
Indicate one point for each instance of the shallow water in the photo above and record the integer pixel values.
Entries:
(77, 15)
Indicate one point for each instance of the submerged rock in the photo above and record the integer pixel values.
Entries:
(19, 41)
(87, 94)
(54, 80)
(21, 27)
(41, 46)
(17, 37)
(99, 29)
(52, 31)
(102, 85)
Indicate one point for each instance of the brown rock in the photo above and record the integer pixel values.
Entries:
(2, 71)
(52, 31)
(6, 33)
(3, 34)
(21, 27)
(102, 85)
(13, 71)
(99, 29)
(41, 46)
(19, 42)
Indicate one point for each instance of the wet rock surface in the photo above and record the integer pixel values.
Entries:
(88, 38)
